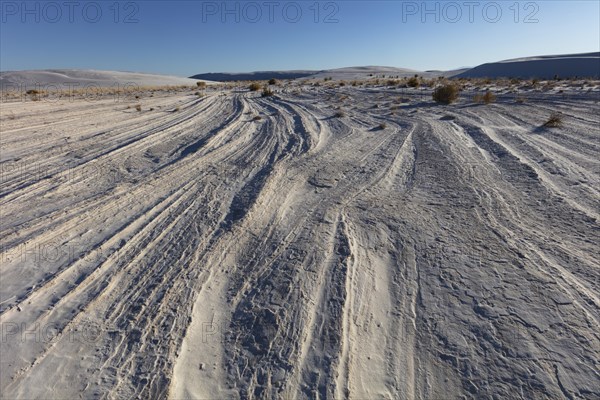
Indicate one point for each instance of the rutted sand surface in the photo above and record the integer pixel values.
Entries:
(191, 252)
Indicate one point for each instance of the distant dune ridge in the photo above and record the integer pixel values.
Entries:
(66, 78)
(254, 76)
(544, 67)
(583, 65)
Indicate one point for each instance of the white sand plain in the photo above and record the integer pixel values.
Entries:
(190, 251)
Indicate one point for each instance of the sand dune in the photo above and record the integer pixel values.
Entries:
(190, 250)
(67, 78)
(586, 65)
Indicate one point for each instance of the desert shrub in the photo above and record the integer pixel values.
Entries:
(392, 82)
(382, 126)
(478, 98)
(340, 114)
(342, 83)
(266, 92)
(520, 99)
(201, 84)
(254, 87)
(272, 81)
(257, 118)
(413, 82)
(138, 107)
(489, 97)
(554, 121)
(446, 94)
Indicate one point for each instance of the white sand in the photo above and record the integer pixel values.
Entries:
(188, 251)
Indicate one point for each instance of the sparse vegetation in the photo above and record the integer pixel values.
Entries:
(520, 99)
(382, 126)
(555, 121)
(339, 114)
(413, 82)
(267, 92)
(272, 81)
(254, 87)
(138, 107)
(257, 118)
(446, 94)
(201, 85)
(487, 98)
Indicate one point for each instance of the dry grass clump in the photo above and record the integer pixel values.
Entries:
(487, 98)
(520, 99)
(138, 107)
(257, 118)
(254, 87)
(339, 114)
(413, 82)
(273, 81)
(382, 126)
(201, 84)
(267, 92)
(555, 121)
(446, 94)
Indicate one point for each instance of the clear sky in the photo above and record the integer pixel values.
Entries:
(188, 37)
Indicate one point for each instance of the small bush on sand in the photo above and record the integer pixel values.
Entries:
(254, 87)
(257, 118)
(413, 82)
(201, 84)
(489, 97)
(555, 121)
(272, 81)
(267, 92)
(138, 107)
(446, 94)
(340, 114)
(382, 126)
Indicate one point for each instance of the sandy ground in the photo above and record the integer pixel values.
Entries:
(191, 251)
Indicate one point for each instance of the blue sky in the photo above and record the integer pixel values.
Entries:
(188, 37)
